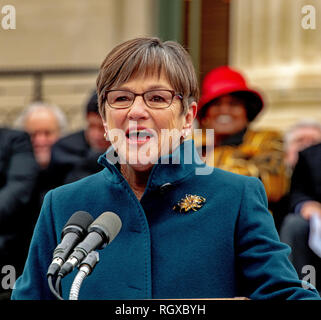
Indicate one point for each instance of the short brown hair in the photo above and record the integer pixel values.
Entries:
(146, 56)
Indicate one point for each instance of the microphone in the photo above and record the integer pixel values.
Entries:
(73, 232)
(100, 233)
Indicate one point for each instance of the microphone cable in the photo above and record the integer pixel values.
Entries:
(85, 268)
(58, 285)
(53, 289)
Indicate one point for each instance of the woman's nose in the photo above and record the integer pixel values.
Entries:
(138, 109)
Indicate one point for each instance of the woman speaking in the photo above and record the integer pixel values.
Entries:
(188, 230)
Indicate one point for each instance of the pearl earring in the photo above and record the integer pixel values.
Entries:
(186, 132)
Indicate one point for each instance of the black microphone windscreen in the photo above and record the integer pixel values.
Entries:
(81, 219)
(109, 222)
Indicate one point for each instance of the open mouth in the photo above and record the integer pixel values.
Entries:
(139, 136)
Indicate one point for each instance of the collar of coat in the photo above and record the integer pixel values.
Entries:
(170, 169)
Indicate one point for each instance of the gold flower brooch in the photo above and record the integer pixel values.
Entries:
(190, 202)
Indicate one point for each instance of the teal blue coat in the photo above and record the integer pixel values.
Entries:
(229, 247)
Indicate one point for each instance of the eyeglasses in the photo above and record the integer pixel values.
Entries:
(156, 99)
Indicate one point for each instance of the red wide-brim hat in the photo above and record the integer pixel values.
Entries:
(225, 80)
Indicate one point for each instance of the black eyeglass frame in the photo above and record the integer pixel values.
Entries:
(174, 94)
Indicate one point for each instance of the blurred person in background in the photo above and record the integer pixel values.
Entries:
(305, 201)
(75, 156)
(228, 105)
(298, 137)
(18, 174)
(45, 123)
(301, 135)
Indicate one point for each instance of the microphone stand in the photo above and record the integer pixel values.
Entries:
(85, 268)
(75, 288)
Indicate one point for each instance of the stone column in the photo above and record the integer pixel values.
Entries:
(279, 56)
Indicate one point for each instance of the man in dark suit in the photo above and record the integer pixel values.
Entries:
(18, 174)
(305, 197)
(306, 182)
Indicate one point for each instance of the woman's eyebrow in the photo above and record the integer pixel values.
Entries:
(148, 88)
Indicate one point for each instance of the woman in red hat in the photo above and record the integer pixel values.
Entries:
(228, 106)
